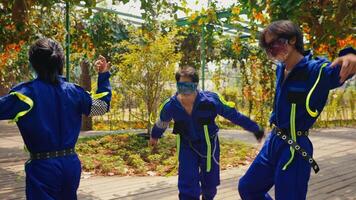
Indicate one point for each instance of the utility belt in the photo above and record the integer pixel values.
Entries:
(286, 132)
(52, 154)
(285, 136)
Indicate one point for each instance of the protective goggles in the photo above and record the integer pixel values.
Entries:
(186, 87)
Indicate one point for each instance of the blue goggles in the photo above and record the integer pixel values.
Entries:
(186, 87)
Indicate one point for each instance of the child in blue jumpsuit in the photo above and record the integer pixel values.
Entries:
(194, 114)
(48, 113)
(302, 88)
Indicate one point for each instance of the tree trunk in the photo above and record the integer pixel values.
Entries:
(130, 105)
(3, 90)
(149, 111)
(85, 82)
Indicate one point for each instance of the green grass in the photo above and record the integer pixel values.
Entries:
(129, 154)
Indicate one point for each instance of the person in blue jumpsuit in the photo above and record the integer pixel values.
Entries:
(48, 112)
(302, 88)
(194, 114)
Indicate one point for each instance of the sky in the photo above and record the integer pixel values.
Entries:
(133, 7)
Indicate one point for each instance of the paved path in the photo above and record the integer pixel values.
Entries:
(335, 151)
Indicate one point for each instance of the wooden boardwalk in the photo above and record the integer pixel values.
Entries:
(335, 151)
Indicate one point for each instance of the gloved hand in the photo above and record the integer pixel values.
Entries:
(260, 134)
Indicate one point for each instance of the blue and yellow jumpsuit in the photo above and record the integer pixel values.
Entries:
(49, 119)
(284, 161)
(198, 145)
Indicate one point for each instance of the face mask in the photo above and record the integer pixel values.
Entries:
(186, 87)
(278, 50)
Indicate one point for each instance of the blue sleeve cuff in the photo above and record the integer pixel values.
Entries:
(157, 132)
(104, 86)
(104, 76)
(346, 51)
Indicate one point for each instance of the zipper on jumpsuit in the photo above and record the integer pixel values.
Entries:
(283, 80)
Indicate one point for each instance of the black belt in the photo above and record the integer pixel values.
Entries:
(285, 136)
(299, 133)
(52, 154)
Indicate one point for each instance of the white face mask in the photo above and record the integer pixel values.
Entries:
(280, 57)
(278, 50)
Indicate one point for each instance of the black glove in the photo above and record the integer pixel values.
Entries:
(260, 133)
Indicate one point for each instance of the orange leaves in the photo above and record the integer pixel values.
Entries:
(305, 29)
(14, 47)
(332, 49)
(10, 27)
(247, 92)
(10, 52)
(322, 48)
(348, 41)
(325, 49)
(3, 59)
(259, 16)
(236, 47)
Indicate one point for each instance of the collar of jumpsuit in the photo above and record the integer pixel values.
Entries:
(181, 106)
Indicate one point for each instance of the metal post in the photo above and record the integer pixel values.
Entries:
(203, 54)
(67, 40)
(203, 57)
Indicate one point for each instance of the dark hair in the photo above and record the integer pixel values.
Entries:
(284, 29)
(189, 72)
(47, 58)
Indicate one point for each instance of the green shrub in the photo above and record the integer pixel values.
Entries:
(129, 154)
